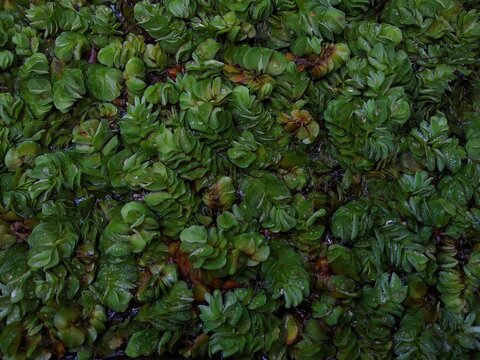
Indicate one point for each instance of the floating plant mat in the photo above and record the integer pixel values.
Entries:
(245, 179)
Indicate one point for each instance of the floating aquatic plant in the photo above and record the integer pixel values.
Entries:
(245, 179)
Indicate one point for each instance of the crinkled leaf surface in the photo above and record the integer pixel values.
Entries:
(239, 179)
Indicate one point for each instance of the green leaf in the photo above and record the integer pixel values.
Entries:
(143, 343)
(104, 82)
(194, 234)
(70, 45)
(49, 242)
(68, 89)
(6, 59)
(390, 288)
(292, 282)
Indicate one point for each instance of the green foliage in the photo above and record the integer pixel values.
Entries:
(292, 283)
(70, 45)
(49, 243)
(221, 252)
(246, 179)
(351, 221)
(104, 82)
(115, 280)
(68, 88)
(240, 323)
(129, 231)
(168, 317)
